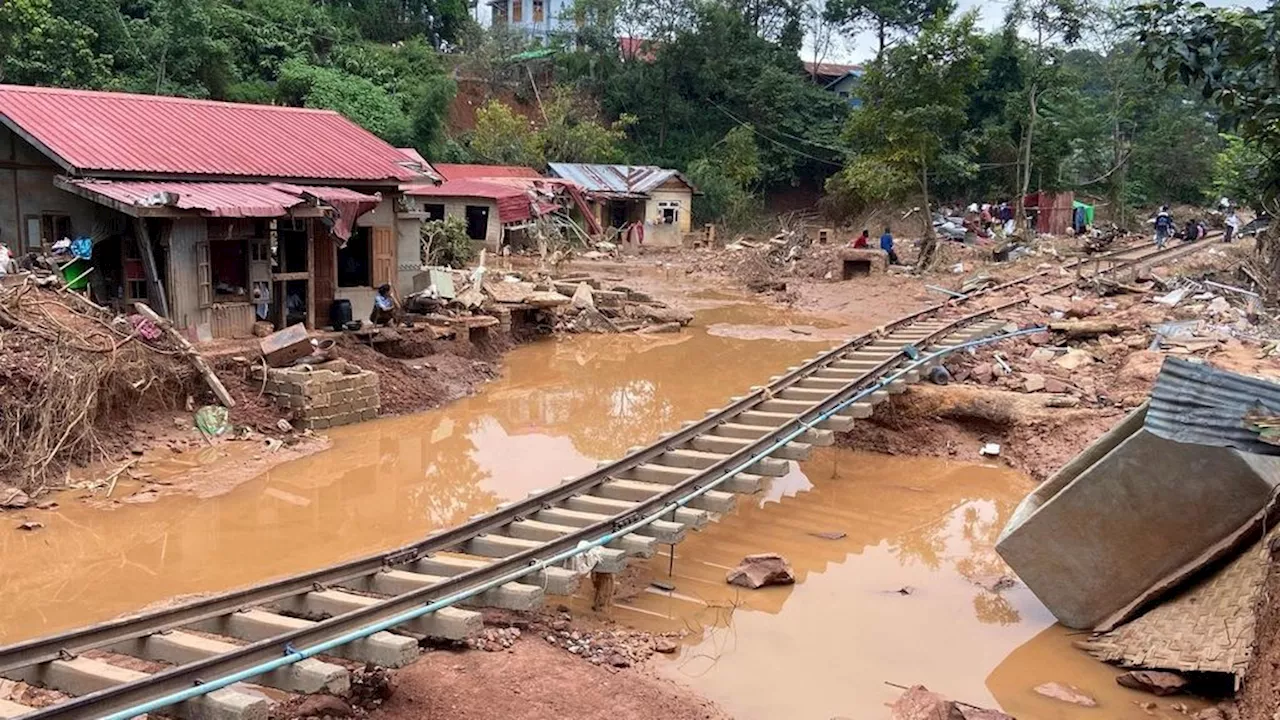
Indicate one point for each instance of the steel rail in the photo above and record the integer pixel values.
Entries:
(172, 679)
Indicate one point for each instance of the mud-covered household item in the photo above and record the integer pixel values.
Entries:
(339, 313)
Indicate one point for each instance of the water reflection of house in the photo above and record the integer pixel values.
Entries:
(216, 214)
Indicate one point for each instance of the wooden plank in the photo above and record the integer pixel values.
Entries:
(143, 238)
(384, 256)
(196, 359)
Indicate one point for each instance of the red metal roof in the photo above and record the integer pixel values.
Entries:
(93, 132)
(453, 171)
(829, 70)
(217, 199)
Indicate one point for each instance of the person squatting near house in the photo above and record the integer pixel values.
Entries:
(862, 241)
(386, 309)
(886, 244)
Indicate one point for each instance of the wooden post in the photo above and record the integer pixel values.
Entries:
(155, 286)
(605, 585)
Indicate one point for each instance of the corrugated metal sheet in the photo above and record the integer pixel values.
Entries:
(1197, 403)
(617, 180)
(100, 131)
(237, 200)
(453, 171)
(231, 320)
(513, 196)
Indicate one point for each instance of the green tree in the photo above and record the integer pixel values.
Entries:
(40, 47)
(887, 17)
(357, 98)
(503, 137)
(916, 132)
(573, 132)
(1051, 24)
(728, 178)
(1238, 170)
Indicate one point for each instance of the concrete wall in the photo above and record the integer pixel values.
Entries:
(659, 234)
(324, 398)
(408, 252)
(457, 207)
(26, 188)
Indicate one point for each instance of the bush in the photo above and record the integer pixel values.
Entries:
(445, 242)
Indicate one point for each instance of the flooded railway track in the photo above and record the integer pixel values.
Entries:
(374, 609)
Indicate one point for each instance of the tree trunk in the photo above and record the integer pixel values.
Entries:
(1020, 204)
(929, 242)
(880, 32)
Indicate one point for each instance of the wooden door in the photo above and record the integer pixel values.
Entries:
(384, 256)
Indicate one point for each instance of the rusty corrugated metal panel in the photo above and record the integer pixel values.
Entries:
(1201, 404)
(231, 320)
(619, 180)
(120, 132)
(235, 200)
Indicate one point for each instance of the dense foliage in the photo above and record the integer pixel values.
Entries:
(1067, 94)
(332, 55)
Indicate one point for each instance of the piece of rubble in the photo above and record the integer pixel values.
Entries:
(982, 372)
(582, 298)
(990, 450)
(31, 525)
(1074, 359)
(1065, 693)
(1033, 382)
(546, 299)
(920, 703)
(756, 571)
(11, 498)
(593, 321)
(1156, 682)
(671, 327)
(1042, 355)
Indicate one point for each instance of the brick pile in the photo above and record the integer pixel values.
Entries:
(323, 398)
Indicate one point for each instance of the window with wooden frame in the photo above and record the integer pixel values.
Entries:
(539, 10)
(517, 11)
(53, 227)
(669, 212)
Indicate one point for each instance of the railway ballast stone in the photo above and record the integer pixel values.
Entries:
(756, 571)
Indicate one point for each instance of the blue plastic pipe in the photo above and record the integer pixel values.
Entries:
(293, 656)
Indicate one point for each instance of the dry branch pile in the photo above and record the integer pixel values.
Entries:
(69, 371)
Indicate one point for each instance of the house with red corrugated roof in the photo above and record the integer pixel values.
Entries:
(216, 214)
(498, 203)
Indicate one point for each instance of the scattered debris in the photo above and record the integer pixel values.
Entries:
(31, 525)
(756, 571)
(1065, 693)
(1156, 682)
(830, 535)
(990, 450)
(11, 498)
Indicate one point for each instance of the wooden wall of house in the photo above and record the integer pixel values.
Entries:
(27, 192)
(182, 281)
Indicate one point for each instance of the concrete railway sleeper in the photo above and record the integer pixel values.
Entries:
(322, 607)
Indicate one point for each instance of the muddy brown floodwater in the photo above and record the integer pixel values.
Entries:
(560, 406)
(911, 594)
(900, 598)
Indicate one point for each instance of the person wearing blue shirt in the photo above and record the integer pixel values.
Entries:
(886, 244)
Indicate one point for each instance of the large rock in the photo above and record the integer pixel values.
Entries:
(662, 315)
(759, 570)
(583, 298)
(1075, 359)
(920, 703)
(546, 299)
(593, 321)
(1156, 682)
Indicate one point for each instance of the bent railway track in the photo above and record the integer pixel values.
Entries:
(209, 641)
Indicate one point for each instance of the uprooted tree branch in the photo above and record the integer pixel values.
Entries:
(68, 370)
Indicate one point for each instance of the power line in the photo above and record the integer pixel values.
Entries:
(782, 145)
